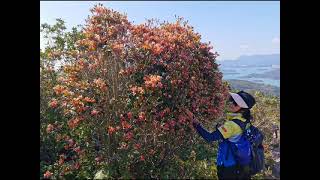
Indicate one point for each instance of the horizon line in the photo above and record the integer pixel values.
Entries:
(235, 59)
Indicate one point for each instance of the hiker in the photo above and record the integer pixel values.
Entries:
(229, 166)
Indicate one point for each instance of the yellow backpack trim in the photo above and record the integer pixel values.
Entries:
(230, 128)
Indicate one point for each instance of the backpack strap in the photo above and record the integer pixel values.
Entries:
(231, 147)
(240, 123)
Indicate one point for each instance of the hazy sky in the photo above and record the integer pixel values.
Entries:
(234, 28)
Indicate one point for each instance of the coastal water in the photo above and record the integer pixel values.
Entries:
(241, 72)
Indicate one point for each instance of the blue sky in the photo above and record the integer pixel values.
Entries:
(234, 28)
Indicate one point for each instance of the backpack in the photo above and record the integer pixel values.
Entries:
(255, 138)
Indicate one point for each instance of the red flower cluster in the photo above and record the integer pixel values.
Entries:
(100, 84)
(94, 112)
(53, 103)
(47, 175)
(142, 116)
(128, 136)
(126, 125)
(137, 90)
(50, 128)
(111, 130)
(137, 146)
(153, 81)
(74, 122)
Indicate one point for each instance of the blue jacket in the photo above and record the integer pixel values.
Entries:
(228, 132)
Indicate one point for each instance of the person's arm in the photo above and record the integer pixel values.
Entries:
(209, 137)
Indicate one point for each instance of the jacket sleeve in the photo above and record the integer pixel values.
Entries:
(209, 137)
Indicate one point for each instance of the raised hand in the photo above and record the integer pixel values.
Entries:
(190, 116)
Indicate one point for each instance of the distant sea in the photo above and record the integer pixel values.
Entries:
(240, 72)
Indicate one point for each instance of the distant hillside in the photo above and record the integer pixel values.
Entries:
(274, 74)
(253, 60)
(251, 86)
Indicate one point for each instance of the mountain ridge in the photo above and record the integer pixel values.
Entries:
(252, 60)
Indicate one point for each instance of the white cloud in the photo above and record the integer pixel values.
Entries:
(276, 40)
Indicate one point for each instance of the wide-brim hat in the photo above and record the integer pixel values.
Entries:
(243, 99)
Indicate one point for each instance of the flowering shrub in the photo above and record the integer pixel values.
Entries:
(121, 93)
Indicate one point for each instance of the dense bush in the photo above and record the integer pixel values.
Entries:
(113, 108)
(117, 99)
